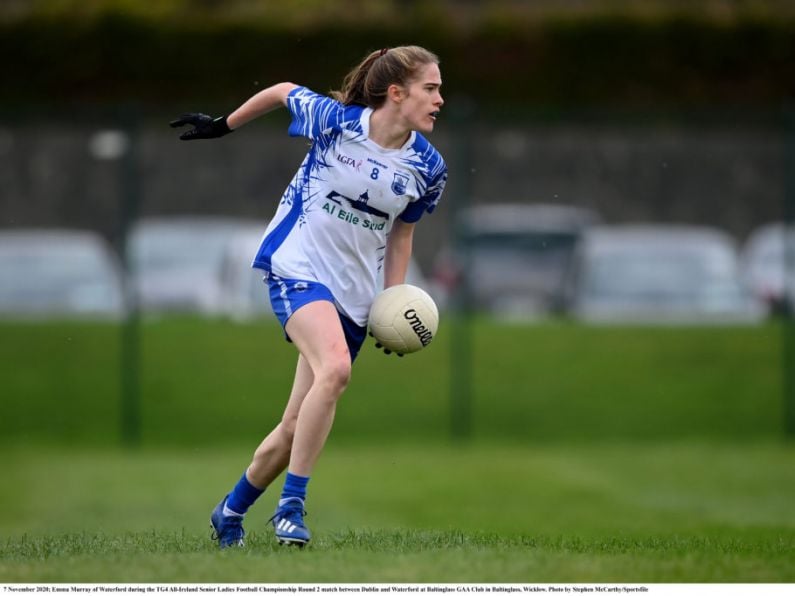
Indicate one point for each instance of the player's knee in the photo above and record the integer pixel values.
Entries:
(336, 375)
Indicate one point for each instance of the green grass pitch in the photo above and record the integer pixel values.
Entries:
(671, 512)
(597, 455)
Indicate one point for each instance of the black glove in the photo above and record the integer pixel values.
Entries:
(205, 127)
(378, 346)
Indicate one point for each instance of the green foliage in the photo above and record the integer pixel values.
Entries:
(610, 54)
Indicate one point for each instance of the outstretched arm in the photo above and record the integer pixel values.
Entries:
(207, 127)
(263, 102)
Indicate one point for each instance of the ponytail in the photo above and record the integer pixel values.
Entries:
(368, 82)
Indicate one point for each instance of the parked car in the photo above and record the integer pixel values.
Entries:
(176, 261)
(768, 266)
(511, 259)
(244, 294)
(58, 273)
(659, 274)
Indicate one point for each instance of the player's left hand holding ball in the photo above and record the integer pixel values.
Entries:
(403, 319)
(204, 126)
(379, 346)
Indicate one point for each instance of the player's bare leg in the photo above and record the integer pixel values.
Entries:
(273, 454)
(270, 459)
(317, 332)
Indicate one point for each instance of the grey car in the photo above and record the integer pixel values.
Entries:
(58, 273)
(659, 274)
(176, 261)
(511, 259)
(768, 266)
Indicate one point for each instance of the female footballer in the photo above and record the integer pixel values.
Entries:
(349, 211)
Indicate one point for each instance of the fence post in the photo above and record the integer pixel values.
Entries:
(120, 145)
(788, 324)
(130, 411)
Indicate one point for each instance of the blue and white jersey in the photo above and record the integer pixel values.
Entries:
(333, 220)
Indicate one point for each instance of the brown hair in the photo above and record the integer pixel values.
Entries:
(367, 84)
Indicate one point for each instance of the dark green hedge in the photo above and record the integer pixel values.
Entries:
(597, 61)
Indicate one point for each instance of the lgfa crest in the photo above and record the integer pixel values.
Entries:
(399, 183)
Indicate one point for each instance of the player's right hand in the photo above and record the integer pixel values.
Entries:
(204, 126)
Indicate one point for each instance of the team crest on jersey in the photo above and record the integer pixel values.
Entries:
(399, 183)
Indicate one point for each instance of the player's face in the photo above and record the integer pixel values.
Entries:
(423, 100)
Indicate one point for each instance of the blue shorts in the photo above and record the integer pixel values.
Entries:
(288, 295)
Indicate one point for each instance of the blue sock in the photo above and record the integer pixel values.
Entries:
(295, 486)
(243, 495)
